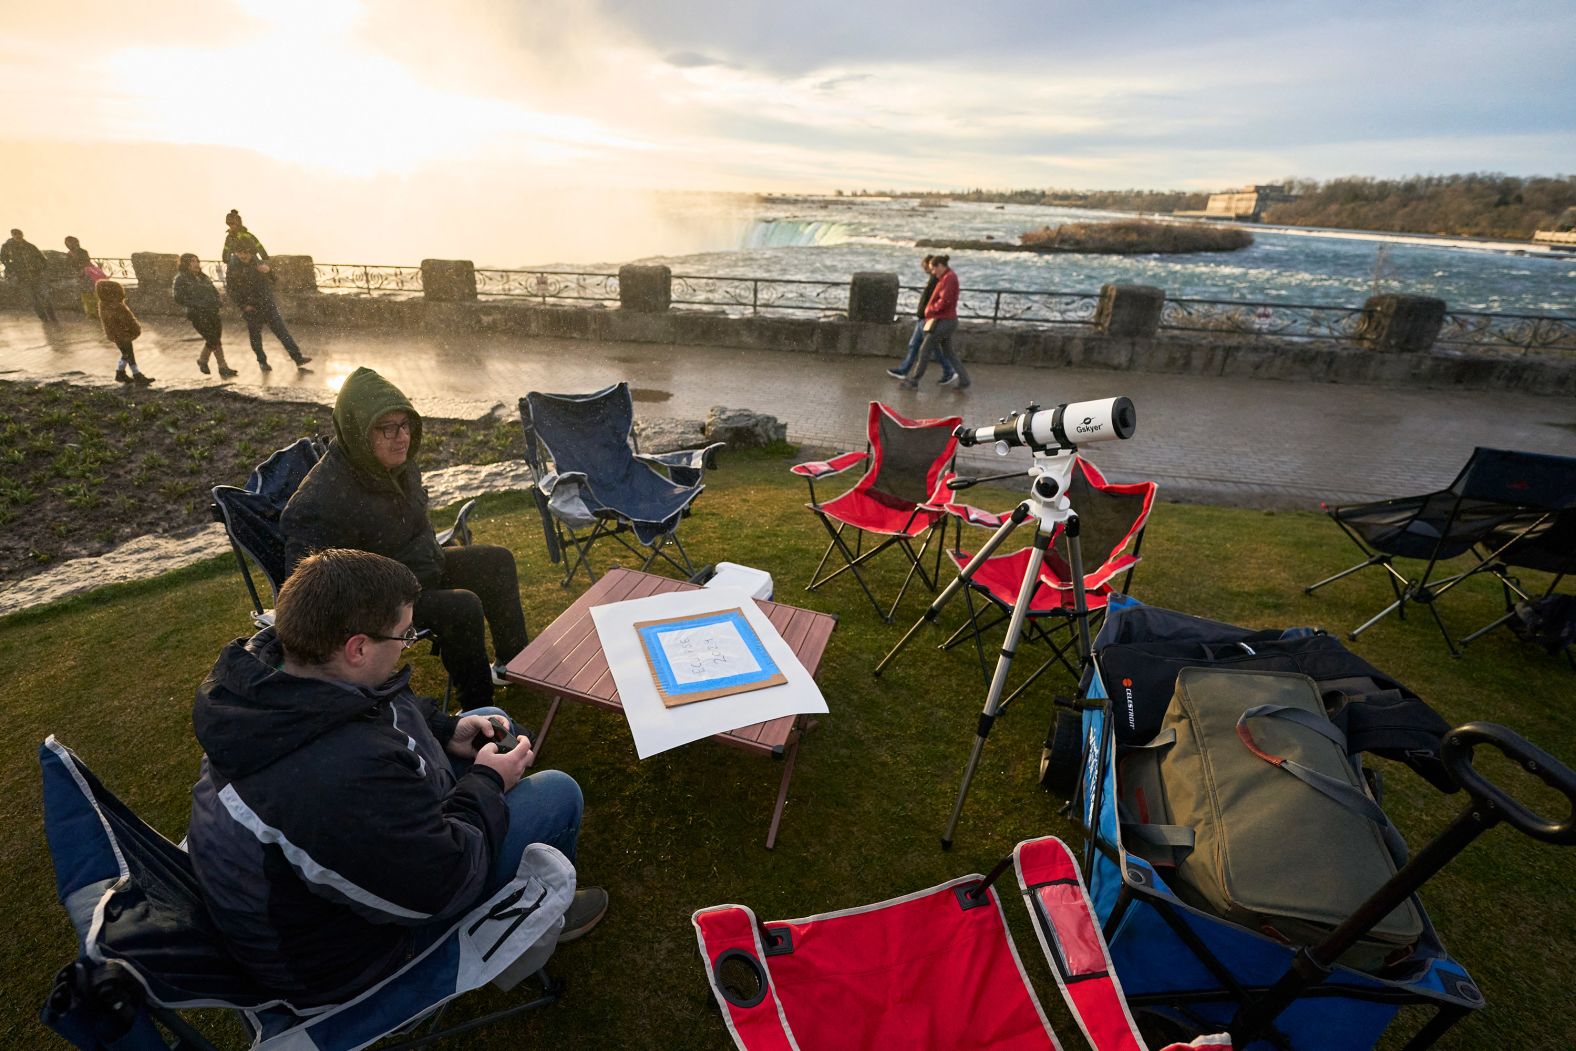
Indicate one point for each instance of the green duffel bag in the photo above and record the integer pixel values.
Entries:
(1248, 792)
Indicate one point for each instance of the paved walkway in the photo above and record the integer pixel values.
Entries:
(1255, 443)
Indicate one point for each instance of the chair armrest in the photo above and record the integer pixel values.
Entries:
(975, 515)
(458, 534)
(704, 459)
(823, 468)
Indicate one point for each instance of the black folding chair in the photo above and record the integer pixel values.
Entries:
(1548, 545)
(592, 482)
(1499, 498)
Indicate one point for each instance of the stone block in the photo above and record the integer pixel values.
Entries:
(1129, 311)
(155, 273)
(648, 289)
(872, 296)
(666, 435)
(293, 273)
(448, 280)
(1401, 324)
(743, 428)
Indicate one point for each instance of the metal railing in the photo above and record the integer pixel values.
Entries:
(1282, 320)
(1012, 306)
(549, 286)
(752, 295)
(368, 279)
(1523, 332)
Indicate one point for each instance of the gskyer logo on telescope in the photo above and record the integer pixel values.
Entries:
(1088, 426)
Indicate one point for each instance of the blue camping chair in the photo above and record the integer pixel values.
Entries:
(148, 949)
(592, 481)
(1196, 972)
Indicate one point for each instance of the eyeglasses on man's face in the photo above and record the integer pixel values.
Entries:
(410, 638)
(390, 431)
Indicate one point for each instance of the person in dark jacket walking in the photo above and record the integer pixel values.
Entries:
(194, 290)
(366, 493)
(901, 372)
(251, 289)
(25, 265)
(120, 328)
(87, 272)
(941, 321)
(341, 823)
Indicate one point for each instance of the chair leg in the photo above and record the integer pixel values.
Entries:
(1372, 561)
(851, 562)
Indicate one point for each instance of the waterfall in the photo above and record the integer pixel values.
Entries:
(792, 233)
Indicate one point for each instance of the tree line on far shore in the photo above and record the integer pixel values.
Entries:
(1480, 204)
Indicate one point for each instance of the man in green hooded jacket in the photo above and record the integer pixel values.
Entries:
(366, 493)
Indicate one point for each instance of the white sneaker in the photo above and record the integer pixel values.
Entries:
(950, 381)
(498, 676)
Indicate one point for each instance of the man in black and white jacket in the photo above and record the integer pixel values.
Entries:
(341, 822)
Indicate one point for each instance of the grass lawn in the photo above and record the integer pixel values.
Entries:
(112, 674)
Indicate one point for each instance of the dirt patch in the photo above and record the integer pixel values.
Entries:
(85, 469)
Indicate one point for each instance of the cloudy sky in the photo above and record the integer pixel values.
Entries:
(359, 126)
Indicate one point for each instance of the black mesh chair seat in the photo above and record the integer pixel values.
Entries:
(1501, 501)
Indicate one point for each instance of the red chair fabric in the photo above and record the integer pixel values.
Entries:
(932, 971)
(898, 498)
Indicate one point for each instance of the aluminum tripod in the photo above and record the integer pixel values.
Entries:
(1049, 507)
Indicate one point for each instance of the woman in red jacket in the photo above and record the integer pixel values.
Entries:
(941, 321)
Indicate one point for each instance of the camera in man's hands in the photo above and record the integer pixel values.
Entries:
(1063, 427)
(503, 737)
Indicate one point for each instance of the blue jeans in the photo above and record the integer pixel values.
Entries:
(913, 351)
(543, 808)
(268, 314)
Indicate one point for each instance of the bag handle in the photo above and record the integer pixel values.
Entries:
(1348, 796)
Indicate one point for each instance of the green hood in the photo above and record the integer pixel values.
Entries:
(364, 397)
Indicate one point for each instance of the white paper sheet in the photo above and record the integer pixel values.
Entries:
(656, 727)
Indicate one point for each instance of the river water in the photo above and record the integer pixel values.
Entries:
(829, 239)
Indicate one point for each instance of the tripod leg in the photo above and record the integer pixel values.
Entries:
(959, 583)
(998, 683)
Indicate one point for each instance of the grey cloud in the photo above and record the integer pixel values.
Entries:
(692, 60)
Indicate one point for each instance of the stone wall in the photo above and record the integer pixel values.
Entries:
(1125, 337)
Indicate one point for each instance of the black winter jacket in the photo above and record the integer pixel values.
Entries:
(249, 286)
(195, 292)
(351, 500)
(328, 825)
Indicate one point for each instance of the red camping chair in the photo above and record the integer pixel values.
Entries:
(1111, 519)
(932, 971)
(898, 498)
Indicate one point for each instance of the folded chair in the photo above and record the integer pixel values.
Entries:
(898, 498)
(592, 481)
(149, 951)
(1499, 493)
(250, 516)
(1112, 518)
(931, 971)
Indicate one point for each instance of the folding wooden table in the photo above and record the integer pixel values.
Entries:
(566, 662)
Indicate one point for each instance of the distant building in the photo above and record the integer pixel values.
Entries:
(1244, 205)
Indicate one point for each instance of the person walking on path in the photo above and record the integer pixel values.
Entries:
(121, 328)
(236, 234)
(901, 372)
(251, 288)
(88, 274)
(25, 265)
(941, 321)
(194, 291)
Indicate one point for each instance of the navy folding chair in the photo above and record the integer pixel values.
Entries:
(149, 950)
(592, 482)
(1499, 497)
